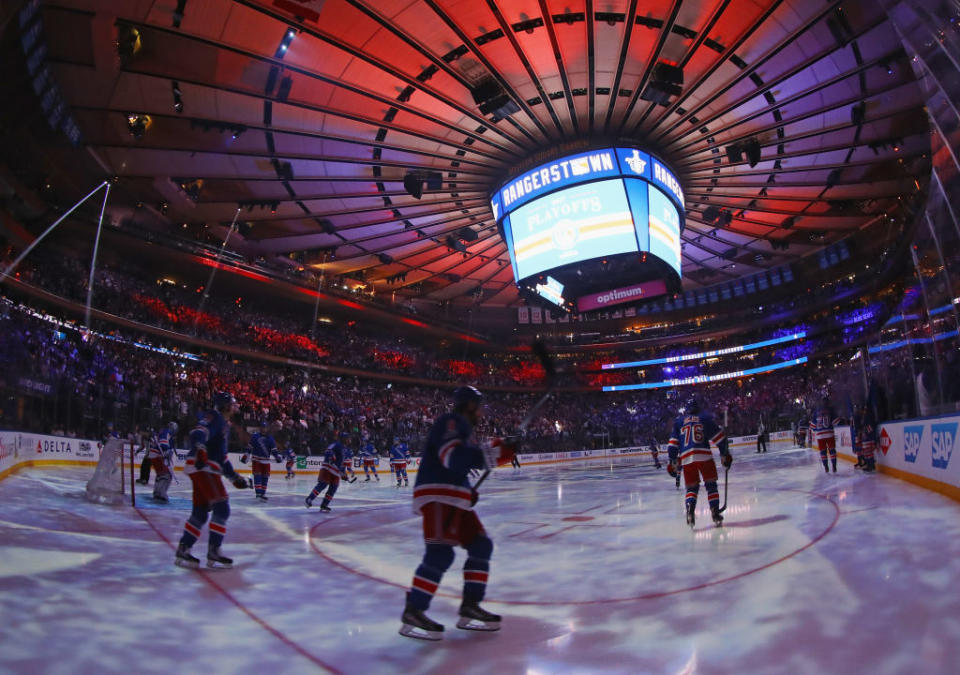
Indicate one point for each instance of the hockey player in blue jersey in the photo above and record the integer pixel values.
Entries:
(369, 454)
(206, 462)
(443, 496)
(348, 472)
(291, 458)
(821, 424)
(330, 473)
(262, 449)
(399, 454)
(689, 449)
(161, 457)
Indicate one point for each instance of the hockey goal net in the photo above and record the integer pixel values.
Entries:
(107, 485)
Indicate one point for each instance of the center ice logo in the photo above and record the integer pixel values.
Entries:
(912, 437)
(942, 439)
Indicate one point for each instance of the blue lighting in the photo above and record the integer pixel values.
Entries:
(706, 355)
(701, 379)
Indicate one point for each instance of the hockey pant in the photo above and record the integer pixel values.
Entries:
(444, 527)
(325, 480)
(261, 474)
(145, 468)
(828, 446)
(692, 472)
(162, 483)
(208, 495)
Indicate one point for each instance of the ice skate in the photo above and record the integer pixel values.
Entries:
(325, 509)
(307, 502)
(398, 483)
(417, 625)
(261, 498)
(367, 479)
(406, 483)
(717, 517)
(161, 499)
(691, 518)
(216, 560)
(140, 481)
(474, 617)
(185, 559)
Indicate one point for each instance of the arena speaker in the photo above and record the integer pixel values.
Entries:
(468, 234)
(413, 184)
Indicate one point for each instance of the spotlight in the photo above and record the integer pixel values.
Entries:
(751, 149)
(285, 42)
(138, 124)
(177, 99)
(128, 40)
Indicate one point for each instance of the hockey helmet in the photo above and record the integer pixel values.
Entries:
(464, 394)
(174, 427)
(223, 399)
(692, 406)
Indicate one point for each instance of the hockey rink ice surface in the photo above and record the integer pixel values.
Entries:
(594, 571)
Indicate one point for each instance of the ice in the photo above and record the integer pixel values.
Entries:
(593, 571)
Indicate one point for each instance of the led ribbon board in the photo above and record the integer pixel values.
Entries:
(707, 355)
(700, 379)
(593, 204)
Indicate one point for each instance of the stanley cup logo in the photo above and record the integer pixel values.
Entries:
(636, 164)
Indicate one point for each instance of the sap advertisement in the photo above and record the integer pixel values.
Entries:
(923, 447)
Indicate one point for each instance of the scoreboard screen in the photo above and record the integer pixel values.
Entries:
(590, 205)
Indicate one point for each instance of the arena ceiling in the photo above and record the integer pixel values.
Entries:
(310, 113)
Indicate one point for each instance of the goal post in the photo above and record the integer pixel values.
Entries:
(106, 486)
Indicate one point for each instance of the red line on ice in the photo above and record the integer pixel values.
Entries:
(243, 608)
(602, 601)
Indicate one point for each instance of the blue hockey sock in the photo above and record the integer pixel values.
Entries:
(218, 523)
(692, 490)
(713, 494)
(476, 569)
(191, 529)
(317, 489)
(436, 560)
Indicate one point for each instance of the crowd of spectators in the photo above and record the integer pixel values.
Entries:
(57, 377)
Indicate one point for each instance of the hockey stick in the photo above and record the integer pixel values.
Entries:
(726, 472)
(543, 356)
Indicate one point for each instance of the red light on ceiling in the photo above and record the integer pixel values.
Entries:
(414, 322)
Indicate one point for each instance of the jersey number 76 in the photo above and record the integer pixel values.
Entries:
(692, 432)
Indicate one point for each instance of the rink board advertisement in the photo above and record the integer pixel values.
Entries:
(28, 449)
(917, 450)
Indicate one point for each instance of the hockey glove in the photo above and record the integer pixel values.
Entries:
(243, 459)
(672, 470)
(240, 482)
(726, 460)
(498, 453)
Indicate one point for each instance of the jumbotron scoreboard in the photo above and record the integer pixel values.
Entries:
(593, 229)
